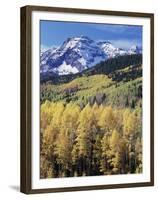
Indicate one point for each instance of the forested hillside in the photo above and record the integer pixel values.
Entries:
(91, 122)
(106, 67)
(95, 140)
(108, 83)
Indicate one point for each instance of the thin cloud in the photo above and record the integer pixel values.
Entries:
(116, 28)
(126, 44)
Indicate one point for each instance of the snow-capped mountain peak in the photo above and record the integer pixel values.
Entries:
(134, 49)
(110, 49)
(79, 53)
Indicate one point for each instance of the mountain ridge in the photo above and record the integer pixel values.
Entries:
(105, 67)
(77, 54)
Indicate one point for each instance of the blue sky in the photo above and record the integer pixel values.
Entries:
(55, 33)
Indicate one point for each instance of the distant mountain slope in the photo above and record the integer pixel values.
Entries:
(77, 54)
(107, 67)
(116, 82)
(74, 55)
(110, 50)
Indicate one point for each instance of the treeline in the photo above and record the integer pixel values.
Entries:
(105, 67)
(130, 73)
(113, 64)
(95, 140)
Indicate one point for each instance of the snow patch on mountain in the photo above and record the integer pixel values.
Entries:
(65, 69)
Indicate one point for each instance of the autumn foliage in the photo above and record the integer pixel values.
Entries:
(94, 140)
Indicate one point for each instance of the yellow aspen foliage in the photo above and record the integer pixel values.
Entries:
(58, 112)
(114, 139)
(86, 131)
(138, 149)
(107, 120)
(49, 139)
(63, 149)
(70, 117)
(46, 170)
(115, 152)
(130, 123)
(93, 140)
